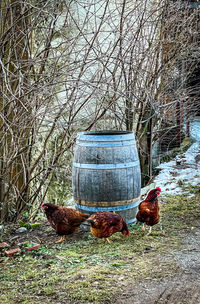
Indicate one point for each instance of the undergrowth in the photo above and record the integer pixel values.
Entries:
(88, 270)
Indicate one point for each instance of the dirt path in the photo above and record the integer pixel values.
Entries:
(183, 287)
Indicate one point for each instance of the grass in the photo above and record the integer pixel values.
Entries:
(91, 271)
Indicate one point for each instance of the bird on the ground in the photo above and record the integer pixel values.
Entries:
(64, 220)
(148, 212)
(103, 224)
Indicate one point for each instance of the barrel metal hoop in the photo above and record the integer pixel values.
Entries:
(106, 203)
(105, 144)
(106, 166)
(105, 138)
(111, 208)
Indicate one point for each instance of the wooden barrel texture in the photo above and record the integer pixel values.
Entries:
(106, 173)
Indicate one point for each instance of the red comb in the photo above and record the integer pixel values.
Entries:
(158, 188)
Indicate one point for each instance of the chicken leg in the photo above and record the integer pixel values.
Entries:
(62, 239)
(150, 230)
(143, 227)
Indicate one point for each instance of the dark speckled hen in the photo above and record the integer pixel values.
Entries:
(105, 223)
(64, 220)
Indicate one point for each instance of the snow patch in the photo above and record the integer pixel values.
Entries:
(185, 169)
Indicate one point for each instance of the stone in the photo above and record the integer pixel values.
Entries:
(34, 247)
(4, 245)
(1, 227)
(21, 230)
(12, 252)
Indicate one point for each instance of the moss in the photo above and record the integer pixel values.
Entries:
(29, 225)
(35, 225)
(186, 143)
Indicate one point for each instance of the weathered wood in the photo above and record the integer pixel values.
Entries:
(106, 173)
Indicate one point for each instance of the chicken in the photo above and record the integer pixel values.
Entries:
(105, 223)
(64, 220)
(148, 212)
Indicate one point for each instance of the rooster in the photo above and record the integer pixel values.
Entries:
(105, 223)
(64, 220)
(148, 212)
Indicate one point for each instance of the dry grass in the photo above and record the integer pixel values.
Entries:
(87, 270)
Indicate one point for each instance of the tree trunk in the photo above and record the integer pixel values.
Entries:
(15, 123)
(144, 138)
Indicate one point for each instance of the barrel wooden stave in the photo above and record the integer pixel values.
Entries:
(106, 173)
(105, 187)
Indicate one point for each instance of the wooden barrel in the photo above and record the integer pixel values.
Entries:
(106, 173)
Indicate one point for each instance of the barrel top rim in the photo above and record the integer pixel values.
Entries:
(105, 136)
(106, 132)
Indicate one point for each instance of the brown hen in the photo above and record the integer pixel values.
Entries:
(148, 212)
(64, 220)
(105, 223)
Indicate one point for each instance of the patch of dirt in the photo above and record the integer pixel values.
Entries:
(182, 288)
(43, 234)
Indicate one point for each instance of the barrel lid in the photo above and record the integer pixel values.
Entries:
(105, 135)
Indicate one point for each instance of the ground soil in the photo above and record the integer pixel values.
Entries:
(183, 287)
(43, 235)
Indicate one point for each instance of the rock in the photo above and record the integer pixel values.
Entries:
(178, 162)
(11, 252)
(1, 227)
(4, 245)
(21, 230)
(197, 158)
(33, 247)
(121, 278)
